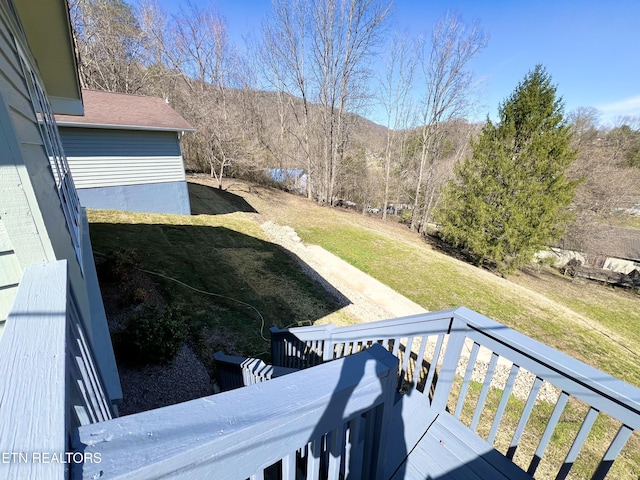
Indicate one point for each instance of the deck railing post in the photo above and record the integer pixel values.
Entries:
(327, 346)
(276, 337)
(453, 351)
(385, 424)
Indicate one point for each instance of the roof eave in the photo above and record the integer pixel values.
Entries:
(123, 127)
(47, 27)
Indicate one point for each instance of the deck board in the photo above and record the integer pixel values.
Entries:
(449, 450)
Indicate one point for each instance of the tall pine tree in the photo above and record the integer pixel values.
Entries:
(510, 198)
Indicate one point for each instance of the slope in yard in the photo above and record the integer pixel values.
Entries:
(223, 250)
(229, 251)
(597, 324)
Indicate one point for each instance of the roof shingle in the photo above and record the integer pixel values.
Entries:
(118, 110)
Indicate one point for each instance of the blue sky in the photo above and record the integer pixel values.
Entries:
(590, 48)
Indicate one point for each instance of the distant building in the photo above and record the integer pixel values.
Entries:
(609, 248)
(294, 179)
(124, 153)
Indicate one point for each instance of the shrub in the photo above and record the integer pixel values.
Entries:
(151, 335)
(118, 265)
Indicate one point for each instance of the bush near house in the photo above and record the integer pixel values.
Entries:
(151, 335)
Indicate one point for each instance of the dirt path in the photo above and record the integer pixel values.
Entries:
(370, 299)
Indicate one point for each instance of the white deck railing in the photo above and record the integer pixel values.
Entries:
(465, 358)
(48, 381)
(324, 423)
(235, 372)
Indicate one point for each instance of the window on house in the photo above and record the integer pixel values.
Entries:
(53, 147)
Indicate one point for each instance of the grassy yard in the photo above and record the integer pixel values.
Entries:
(604, 322)
(221, 249)
(227, 256)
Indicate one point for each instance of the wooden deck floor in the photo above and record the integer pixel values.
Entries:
(450, 451)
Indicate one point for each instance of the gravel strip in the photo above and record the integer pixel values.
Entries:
(155, 386)
(360, 309)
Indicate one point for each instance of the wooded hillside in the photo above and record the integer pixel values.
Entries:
(294, 96)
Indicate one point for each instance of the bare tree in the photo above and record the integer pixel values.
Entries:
(110, 45)
(165, 78)
(584, 124)
(449, 84)
(285, 62)
(344, 35)
(200, 50)
(317, 50)
(395, 96)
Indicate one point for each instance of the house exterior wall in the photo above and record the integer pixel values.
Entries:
(165, 197)
(21, 226)
(132, 170)
(33, 226)
(102, 142)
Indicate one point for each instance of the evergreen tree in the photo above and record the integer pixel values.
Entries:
(510, 198)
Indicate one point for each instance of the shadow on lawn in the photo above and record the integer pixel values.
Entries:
(207, 200)
(240, 270)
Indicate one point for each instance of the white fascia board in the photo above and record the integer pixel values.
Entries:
(122, 127)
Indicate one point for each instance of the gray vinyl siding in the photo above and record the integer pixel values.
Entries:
(19, 231)
(98, 142)
(95, 172)
(101, 158)
(33, 228)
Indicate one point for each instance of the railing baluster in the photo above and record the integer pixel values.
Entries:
(485, 390)
(407, 355)
(353, 454)
(467, 380)
(612, 452)
(369, 442)
(548, 431)
(83, 405)
(288, 347)
(396, 346)
(336, 451)
(434, 365)
(313, 459)
(84, 361)
(289, 467)
(524, 418)
(583, 433)
(419, 359)
(508, 388)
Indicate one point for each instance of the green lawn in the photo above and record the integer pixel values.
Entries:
(223, 250)
(605, 324)
(227, 256)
